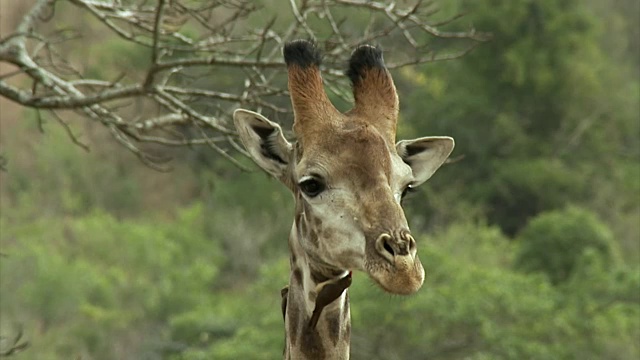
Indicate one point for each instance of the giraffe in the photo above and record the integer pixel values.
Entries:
(348, 177)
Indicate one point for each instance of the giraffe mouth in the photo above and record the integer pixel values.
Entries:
(405, 277)
(393, 263)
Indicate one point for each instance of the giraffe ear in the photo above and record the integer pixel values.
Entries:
(425, 155)
(264, 141)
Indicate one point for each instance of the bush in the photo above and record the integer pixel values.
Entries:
(554, 242)
(98, 282)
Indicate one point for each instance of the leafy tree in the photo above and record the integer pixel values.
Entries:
(554, 242)
(542, 114)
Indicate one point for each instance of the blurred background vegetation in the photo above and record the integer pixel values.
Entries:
(531, 242)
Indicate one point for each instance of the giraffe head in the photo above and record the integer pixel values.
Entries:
(347, 175)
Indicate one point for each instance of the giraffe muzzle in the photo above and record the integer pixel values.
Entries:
(403, 273)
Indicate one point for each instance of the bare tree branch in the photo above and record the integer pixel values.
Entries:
(196, 61)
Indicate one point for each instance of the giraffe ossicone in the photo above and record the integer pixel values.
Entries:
(348, 178)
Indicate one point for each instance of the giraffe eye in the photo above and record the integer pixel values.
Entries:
(407, 190)
(312, 187)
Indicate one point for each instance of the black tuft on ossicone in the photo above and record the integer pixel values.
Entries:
(363, 58)
(303, 53)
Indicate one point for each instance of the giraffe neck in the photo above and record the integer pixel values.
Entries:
(329, 338)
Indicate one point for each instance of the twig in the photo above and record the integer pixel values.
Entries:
(220, 40)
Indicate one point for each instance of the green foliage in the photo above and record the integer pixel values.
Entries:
(520, 189)
(61, 178)
(242, 324)
(602, 301)
(93, 277)
(546, 105)
(474, 306)
(554, 242)
(94, 282)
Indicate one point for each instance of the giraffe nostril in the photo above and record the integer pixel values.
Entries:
(385, 248)
(388, 247)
